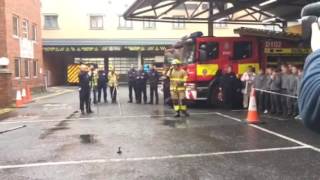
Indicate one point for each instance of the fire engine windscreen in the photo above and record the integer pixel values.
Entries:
(188, 52)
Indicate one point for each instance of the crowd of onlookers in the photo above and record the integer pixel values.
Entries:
(276, 89)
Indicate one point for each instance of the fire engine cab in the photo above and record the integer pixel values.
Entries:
(204, 57)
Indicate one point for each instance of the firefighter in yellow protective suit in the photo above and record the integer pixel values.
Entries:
(178, 77)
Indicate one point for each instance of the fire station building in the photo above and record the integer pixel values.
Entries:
(96, 33)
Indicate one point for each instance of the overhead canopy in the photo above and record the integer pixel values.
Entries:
(217, 11)
(268, 34)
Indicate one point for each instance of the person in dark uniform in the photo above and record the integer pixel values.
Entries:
(102, 85)
(153, 81)
(166, 87)
(228, 80)
(84, 90)
(141, 85)
(132, 73)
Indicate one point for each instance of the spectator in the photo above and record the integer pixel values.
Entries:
(275, 86)
(84, 90)
(102, 85)
(228, 80)
(260, 82)
(292, 90)
(132, 73)
(247, 78)
(267, 99)
(285, 74)
(113, 84)
(154, 81)
(141, 85)
(309, 91)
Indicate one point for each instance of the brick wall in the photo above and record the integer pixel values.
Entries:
(5, 90)
(30, 10)
(3, 33)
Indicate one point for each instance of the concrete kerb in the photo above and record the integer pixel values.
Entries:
(52, 95)
(5, 111)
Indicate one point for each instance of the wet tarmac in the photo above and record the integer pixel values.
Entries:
(131, 141)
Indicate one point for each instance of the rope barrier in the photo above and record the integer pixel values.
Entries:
(271, 92)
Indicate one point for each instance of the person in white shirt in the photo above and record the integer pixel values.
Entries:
(247, 78)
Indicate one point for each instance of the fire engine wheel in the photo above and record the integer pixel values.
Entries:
(214, 100)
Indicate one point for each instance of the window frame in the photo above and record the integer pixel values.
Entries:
(19, 68)
(17, 26)
(25, 29)
(125, 27)
(26, 69)
(51, 27)
(234, 58)
(91, 22)
(217, 55)
(149, 22)
(34, 32)
(221, 25)
(179, 24)
(35, 68)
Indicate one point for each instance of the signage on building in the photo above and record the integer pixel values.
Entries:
(103, 48)
(287, 51)
(26, 48)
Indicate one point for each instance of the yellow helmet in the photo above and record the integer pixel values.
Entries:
(176, 62)
(111, 67)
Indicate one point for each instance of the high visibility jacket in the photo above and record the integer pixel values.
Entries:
(177, 79)
(113, 79)
(94, 80)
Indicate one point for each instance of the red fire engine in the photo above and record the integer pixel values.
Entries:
(205, 56)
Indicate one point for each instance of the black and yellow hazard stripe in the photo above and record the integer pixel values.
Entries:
(73, 72)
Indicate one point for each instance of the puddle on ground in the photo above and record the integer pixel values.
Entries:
(87, 139)
(176, 123)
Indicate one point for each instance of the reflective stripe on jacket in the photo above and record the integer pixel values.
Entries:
(177, 79)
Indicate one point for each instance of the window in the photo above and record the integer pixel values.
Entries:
(148, 24)
(51, 22)
(17, 68)
(122, 64)
(124, 24)
(179, 24)
(242, 50)
(35, 68)
(34, 32)
(188, 53)
(221, 25)
(15, 26)
(25, 29)
(211, 49)
(96, 22)
(26, 68)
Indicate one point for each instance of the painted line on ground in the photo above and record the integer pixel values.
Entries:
(152, 158)
(100, 117)
(273, 133)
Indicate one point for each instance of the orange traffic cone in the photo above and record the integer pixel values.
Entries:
(29, 95)
(19, 102)
(253, 116)
(24, 96)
